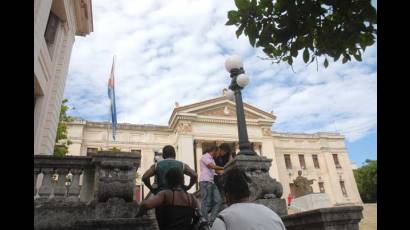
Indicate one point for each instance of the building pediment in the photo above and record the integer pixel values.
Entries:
(219, 109)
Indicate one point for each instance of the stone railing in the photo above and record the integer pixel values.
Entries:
(104, 175)
(59, 176)
(88, 192)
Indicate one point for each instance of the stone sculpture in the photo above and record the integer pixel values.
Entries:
(302, 185)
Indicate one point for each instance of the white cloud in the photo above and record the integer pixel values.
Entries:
(171, 51)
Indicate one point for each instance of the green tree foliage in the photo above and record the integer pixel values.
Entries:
(288, 28)
(366, 179)
(61, 147)
(115, 149)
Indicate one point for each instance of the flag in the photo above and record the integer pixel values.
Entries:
(111, 95)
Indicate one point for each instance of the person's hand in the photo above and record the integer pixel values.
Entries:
(219, 171)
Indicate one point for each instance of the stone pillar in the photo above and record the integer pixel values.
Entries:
(74, 190)
(264, 189)
(88, 186)
(46, 189)
(60, 189)
(115, 175)
(36, 172)
(198, 155)
(186, 153)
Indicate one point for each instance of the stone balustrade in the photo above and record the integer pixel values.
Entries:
(60, 176)
(103, 199)
(104, 175)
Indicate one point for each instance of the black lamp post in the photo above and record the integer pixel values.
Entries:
(239, 80)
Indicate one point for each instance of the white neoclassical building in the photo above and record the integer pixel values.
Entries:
(56, 23)
(191, 128)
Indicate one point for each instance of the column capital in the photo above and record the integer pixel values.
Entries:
(199, 142)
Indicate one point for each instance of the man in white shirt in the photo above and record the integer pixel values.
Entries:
(241, 213)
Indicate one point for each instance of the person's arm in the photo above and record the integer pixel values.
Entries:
(214, 166)
(192, 175)
(146, 177)
(152, 202)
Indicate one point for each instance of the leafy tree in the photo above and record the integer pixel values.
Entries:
(61, 146)
(366, 179)
(115, 149)
(287, 28)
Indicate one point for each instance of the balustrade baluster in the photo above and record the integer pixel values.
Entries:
(46, 188)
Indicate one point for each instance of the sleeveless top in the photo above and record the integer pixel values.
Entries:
(161, 169)
(176, 217)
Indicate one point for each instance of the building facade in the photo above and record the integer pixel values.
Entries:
(56, 23)
(192, 128)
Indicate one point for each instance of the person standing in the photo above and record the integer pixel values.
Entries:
(160, 168)
(211, 199)
(223, 157)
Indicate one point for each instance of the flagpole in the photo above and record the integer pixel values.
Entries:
(113, 83)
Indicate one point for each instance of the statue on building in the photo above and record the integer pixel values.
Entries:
(302, 185)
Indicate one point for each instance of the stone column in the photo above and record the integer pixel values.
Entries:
(186, 153)
(60, 188)
(74, 190)
(46, 188)
(36, 172)
(198, 155)
(88, 187)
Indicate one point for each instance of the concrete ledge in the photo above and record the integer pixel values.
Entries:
(335, 218)
(312, 201)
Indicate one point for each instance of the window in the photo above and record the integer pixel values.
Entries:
(288, 162)
(315, 161)
(342, 186)
(51, 30)
(135, 151)
(336, 160)
(91, 150)
(302, 161)
(321, 187)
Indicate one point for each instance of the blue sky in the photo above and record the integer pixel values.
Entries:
(174, 51)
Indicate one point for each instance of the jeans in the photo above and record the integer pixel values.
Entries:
(211, 200)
